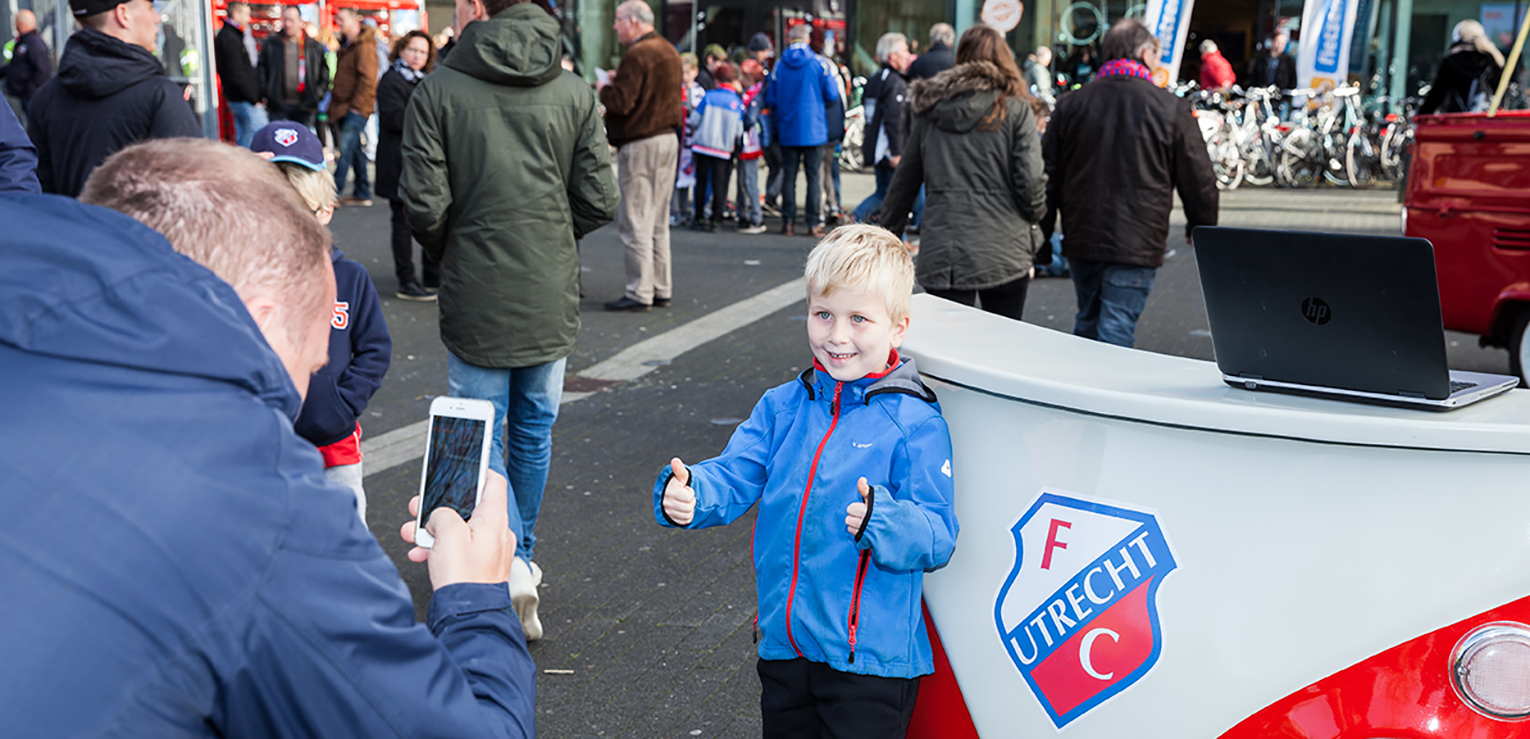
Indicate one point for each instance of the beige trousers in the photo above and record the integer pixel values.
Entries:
(645, 172)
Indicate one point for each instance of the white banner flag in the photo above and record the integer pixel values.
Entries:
(1323, 60)
(1169, 20)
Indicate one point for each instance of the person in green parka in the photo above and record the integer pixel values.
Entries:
(505, 166)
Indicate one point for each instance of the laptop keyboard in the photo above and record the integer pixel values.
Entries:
(1456, 387)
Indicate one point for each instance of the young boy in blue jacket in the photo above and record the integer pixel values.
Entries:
(359, 345)
(850, 464)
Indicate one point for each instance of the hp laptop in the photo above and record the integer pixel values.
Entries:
(1339, 316)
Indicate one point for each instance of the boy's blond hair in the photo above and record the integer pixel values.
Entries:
(689, 61)
(865, 257)
(316, 188)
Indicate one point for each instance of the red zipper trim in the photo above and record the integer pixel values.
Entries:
(855, 599)
(791, 595)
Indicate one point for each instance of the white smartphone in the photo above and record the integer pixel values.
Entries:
(456, 460)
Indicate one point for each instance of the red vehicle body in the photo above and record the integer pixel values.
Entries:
(1468, 193)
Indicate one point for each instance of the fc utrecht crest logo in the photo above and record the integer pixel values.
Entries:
(1078, 613)
(286, 136)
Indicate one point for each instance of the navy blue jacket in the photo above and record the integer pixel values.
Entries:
(175, 563)
(18, 158)
(108, 94)
(31, 65)
(359, 351)
(800, 89)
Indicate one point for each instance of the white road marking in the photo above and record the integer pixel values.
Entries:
(407, 444)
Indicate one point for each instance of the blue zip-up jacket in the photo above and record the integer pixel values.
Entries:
(717, 123)
(801, 87)
(359, 352)
(852, 602)
(175, 563)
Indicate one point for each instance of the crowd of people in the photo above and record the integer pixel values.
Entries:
(243, 594)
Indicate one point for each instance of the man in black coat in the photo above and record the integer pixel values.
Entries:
(939, 58)
(1116, 151)
(234, 49)
(111, 91)
(1275, 67)
(885, 95)
(292, 71)
(31, 65)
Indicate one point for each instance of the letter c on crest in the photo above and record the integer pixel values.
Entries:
(1087, 645)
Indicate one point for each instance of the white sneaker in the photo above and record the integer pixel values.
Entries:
(524, 579)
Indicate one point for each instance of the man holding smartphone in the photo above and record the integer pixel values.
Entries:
(176, 563)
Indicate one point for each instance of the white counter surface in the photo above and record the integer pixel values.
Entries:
(1038, 365)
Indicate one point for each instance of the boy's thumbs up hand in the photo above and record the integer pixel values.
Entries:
(855, 513)
(679, 498)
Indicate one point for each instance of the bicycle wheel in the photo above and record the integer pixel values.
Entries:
(1300, 161)
(1257, 167)
(1361, 162)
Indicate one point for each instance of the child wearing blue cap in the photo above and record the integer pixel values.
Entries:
(359, 345)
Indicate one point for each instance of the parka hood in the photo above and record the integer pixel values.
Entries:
(517, 47)
(93, 285)
(798, 55)
(961, 97)
(96, 65)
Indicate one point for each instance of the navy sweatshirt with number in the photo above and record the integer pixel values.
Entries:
(359, 351)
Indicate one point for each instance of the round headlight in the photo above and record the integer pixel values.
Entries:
(1490, 669)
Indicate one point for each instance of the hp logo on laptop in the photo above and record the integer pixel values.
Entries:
(1316, 311)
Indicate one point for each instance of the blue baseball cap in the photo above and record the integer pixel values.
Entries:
(290, 142)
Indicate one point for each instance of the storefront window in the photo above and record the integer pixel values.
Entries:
(912, 18)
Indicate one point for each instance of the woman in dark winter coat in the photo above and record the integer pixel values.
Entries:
(1468, 74)
(975, 148)
(413, 57)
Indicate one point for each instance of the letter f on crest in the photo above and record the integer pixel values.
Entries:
(1053, 543)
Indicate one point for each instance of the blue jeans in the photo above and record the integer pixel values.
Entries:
(749, 191)
(351, 156)
(1110, 299)
(810, 158)
(873, 202)
(248, 118)
(529, 396)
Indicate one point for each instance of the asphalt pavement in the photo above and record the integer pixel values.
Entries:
(648, 630)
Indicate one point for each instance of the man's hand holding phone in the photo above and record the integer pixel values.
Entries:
(679, 498)
(474, 551)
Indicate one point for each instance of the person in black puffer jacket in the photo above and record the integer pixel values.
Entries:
(110, 92)
(413, 57)
(1468, 74)
(975, 148)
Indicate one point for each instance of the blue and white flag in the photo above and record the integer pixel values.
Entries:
(1169, 20)
(1327, 28)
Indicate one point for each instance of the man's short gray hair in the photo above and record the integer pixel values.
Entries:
(236, 7)
(942, 33)
(888, 44)
(800, 32)
(636, 10)
(1208, 46)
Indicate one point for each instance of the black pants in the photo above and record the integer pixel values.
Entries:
(718, 172)
(403, 250)
(799, 698)
(1007, 300)
(810, 158)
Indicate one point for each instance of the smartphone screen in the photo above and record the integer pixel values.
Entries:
(451, 470)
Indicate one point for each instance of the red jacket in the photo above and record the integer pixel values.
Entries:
(1216, 72)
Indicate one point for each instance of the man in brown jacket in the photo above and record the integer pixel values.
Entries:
(643, 109)
(351, 102)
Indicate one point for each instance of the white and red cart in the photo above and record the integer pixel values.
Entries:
(1146, 552)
